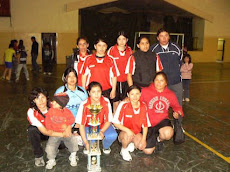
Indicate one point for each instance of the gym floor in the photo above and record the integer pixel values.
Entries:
(206, 122)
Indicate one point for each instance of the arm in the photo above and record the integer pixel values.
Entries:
(175, 106)
(143, 140)
(46, 132)
(104, 128)
(129, 79)
(83, 136)
(114, 85)
(84, 81)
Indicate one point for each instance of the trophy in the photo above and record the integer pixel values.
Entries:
(93, 139)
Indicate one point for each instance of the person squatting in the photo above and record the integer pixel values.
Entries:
(135, 84)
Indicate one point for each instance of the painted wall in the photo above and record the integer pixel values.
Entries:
(31, 18)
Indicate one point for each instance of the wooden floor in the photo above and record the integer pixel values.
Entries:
(206, 122)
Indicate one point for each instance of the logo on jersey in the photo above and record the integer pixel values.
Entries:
(159, 104)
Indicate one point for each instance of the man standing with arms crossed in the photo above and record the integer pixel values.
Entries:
(170, 55)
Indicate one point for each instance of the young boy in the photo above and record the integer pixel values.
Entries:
(60, 119)
(22, 64)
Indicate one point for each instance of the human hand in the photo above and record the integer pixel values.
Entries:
(112, 94)
(101, 134)
(142, 144)
(176, 115)
(130, 133)
(87, 145)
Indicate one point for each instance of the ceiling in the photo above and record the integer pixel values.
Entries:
(151, 7)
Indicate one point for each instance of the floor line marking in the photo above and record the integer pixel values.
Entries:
(227, 159)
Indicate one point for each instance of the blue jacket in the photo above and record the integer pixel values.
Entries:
(171, 61)
(75, 97)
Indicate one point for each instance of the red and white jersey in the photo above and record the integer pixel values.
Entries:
(131, 65)
(158, 103)
(121, 59)
(84, 116)
(101, 70)
(134, 119)
(35, 118)
(78, 66)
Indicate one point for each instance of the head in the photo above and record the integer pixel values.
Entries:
(47, 45)
(100, 47)
(60, 100)
(39, 99)
(82, 44)
(70, 76)
(134, 93)
(143, 43)
(160, 81)
(187, 58)
(11, 46)
(95, 91)
(122, 39)
(163, 36)
(33, 38)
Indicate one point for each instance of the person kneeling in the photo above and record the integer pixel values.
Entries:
(131, 118)
(60, 119)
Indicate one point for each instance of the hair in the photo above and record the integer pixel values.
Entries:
(35, 92)
(67, 71)
(133, 87)
(11, 45)
(82, 37)
(189, 56)
(162, 30)
(142, 37)
(47, 44)
(94, 84)
(33, 37)
(99, 40)
(123, 33)
(163, 74)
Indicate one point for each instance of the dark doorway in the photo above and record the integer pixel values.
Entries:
(50, 38)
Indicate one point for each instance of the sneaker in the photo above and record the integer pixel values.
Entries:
(183, 100)
(159, 146)
(27, 79)
(44, 73)
(85, 151)
(131, 147)
(49, 73)
(73, 159)
(125, 154)
(107, 151)
(50, 164)
(187, 99)
(39, 162)
(79, 140)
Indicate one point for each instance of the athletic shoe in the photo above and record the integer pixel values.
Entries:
(85, 151)
(125, 154)
(39, 162)
(73, 160)
(27, 79)
(49, 73)
(131, 147)
(187, 99)
(107, 151)
(159, 146)
(44, 73)
(50, 164)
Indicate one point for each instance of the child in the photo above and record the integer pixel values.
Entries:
(8, 57)
(22, 64)
(60, 119)
(47, 57)
(186, 72)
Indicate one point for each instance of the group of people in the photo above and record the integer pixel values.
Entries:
(140, 87)
(15, 57)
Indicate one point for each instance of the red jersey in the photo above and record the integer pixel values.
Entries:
(35, 118)
(121, 59)
(58, 119)
(131, 65)
(159, 103)
(78, 66)
(134, 119)
(84, 116)
(101, 70)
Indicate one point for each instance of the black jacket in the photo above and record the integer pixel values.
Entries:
(34, 49)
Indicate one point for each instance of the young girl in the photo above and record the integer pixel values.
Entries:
(186, 72)
(101, 68)
(158, 99)
(120, 52)
(105, 117)
(80, 56)
(143, 64)
(131, 119)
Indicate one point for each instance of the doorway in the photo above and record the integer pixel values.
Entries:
(220, 50)
(50, 38)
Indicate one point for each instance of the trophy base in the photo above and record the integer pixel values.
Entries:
(93, 168)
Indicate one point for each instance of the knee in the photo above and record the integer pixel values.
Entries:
(149, 151)
(32, 129)
(167, 133)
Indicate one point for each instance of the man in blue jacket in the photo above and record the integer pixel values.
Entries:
(170, 55)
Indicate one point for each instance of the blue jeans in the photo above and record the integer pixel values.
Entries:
(178, 90)
(110, 136)
(186, 83)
